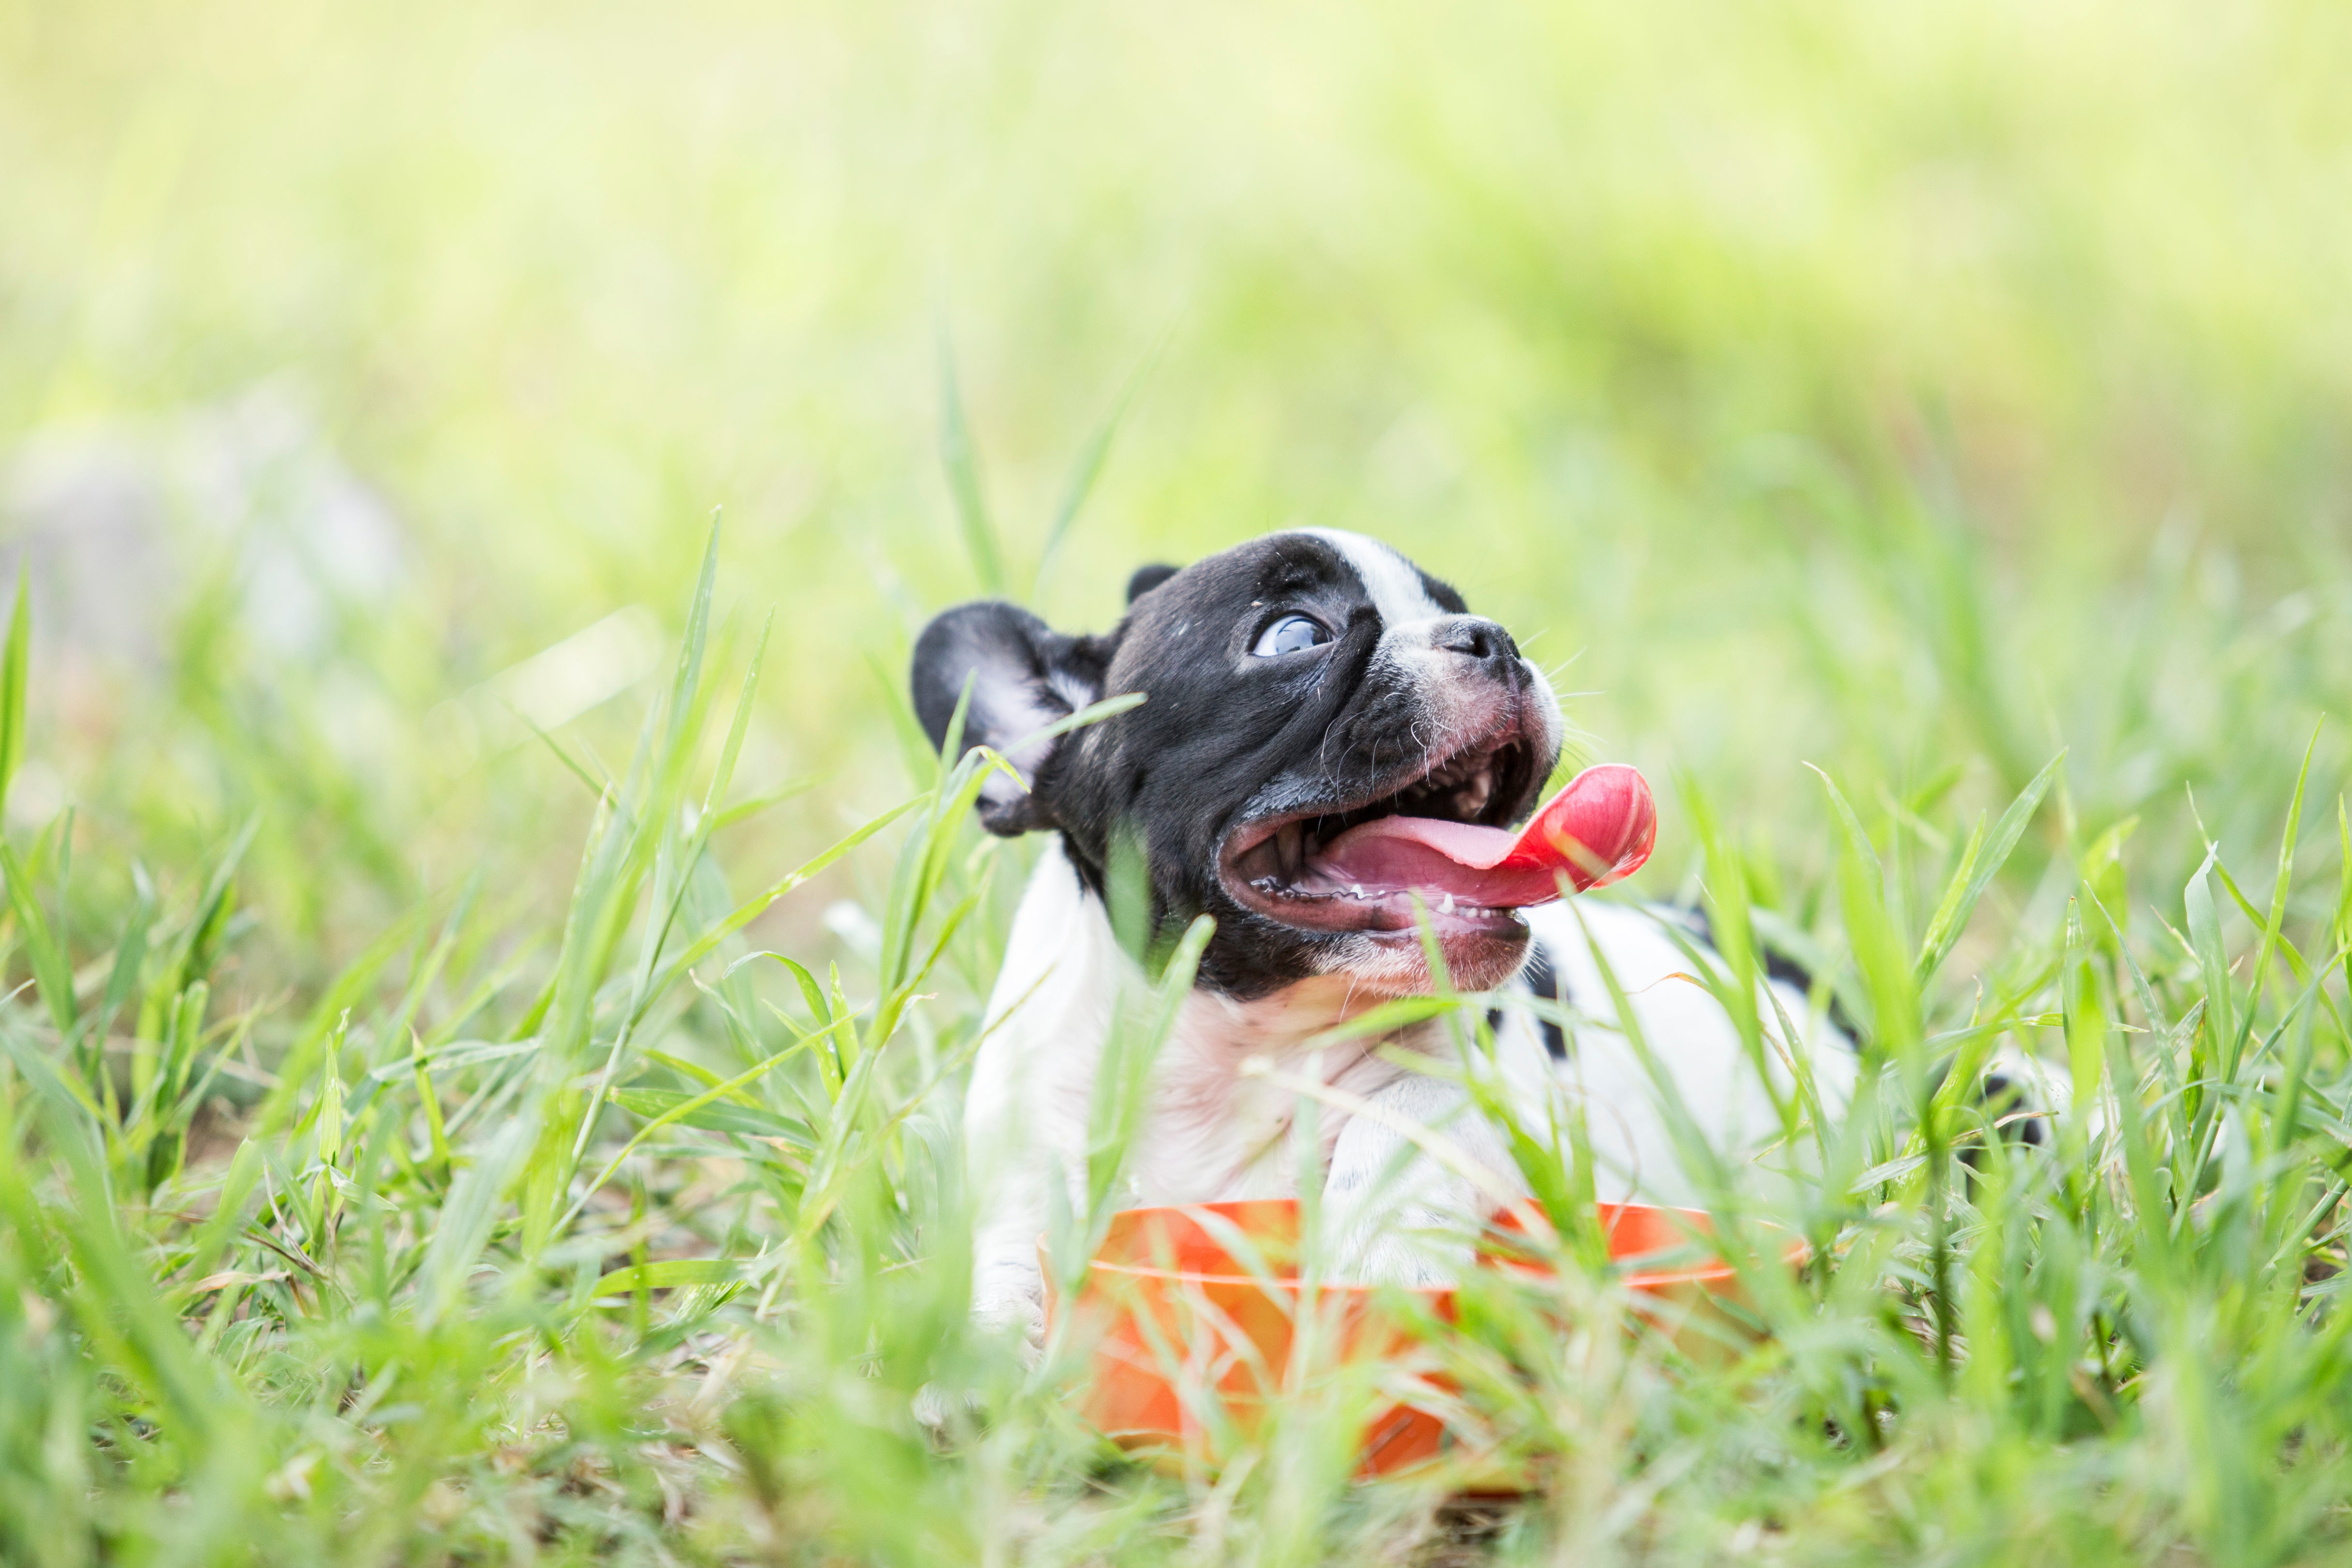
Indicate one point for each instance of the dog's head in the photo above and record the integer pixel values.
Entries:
(1293, 687)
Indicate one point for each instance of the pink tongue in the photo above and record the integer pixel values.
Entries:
(1596, 830)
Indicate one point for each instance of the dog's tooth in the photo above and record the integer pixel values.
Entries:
(1447, 907)
(1472, 797)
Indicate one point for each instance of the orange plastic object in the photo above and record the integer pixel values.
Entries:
(1167, 1295)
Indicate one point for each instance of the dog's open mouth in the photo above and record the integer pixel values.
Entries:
(1360, 867)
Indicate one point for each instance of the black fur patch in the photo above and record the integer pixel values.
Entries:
(1778, 965)
(2004, 1097)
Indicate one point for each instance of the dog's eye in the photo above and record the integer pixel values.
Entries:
(1292, 634)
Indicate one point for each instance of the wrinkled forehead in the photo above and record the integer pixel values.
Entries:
(1327, 564)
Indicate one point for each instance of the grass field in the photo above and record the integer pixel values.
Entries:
(428, 1140)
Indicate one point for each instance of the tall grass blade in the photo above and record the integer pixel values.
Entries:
(1088, 466)
(14, 670)
(962, 462)
(1976, 874)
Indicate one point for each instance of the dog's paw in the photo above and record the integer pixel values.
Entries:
(1017, 1305)
(940, 1410)
(1411, 1246)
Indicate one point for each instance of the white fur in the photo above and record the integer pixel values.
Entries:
(1214, 1131)
(1392, 581)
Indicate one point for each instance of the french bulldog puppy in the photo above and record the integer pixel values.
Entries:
(1296, 686)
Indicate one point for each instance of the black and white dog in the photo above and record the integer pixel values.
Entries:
(1293, 687)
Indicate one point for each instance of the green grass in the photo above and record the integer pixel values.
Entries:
(599, 1246)
(426, 1142)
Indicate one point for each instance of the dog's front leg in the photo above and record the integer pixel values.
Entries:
(1007, 1286)
(1026, 1108)
(1403, 1214)
(1024, 1131)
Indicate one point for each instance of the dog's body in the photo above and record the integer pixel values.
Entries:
(1296, 688)
(1217, 1126)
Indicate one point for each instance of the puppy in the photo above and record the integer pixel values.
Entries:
(1293, 687)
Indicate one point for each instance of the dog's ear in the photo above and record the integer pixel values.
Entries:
(1147, 578)
(1024, 676)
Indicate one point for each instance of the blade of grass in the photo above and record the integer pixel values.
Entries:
(962, 462)
(1976, 873)
(14, 666)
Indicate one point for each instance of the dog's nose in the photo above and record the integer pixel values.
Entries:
(1475, 635)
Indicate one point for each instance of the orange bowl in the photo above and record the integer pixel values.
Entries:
(1193, 1341)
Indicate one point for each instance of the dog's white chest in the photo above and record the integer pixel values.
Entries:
(1210, 1129)
(1217, 1130)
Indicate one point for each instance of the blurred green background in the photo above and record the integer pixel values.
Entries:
(1832, 382)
